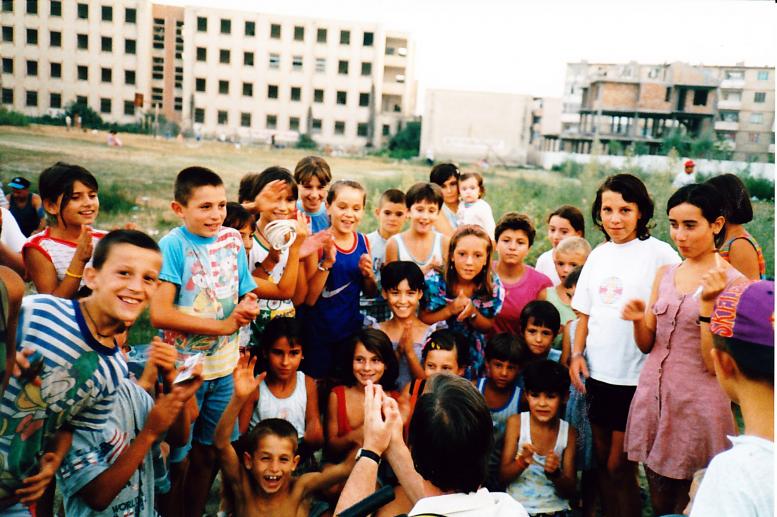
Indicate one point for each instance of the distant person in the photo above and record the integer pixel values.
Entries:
(685, 177)
(113, 139)
(26, 207)
(430, 156)
(68, 122)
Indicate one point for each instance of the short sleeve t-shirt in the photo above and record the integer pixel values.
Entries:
(377, 252)
(10, 234)
(739, 482)
(94, 451)
(546, 266)
(613, 275)
(211, 274)
(517, 295)
(79, 379)
(317, 221)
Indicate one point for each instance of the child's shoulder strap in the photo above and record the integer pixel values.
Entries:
(562, 438)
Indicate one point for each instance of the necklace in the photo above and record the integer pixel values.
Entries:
(94, 323)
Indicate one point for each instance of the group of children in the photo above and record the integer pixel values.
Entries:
(275, 312)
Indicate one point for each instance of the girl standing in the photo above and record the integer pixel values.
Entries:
(467, 296)
(446, 176)
(677, 387)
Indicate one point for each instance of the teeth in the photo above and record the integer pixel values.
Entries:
(129, 300)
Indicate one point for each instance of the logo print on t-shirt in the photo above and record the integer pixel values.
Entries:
(329, 294)
(610, 290)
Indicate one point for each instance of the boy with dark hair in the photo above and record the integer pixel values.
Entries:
(261, 478)
(313, 176)
(420, 243)
(76, 366)
(198, 307)
(740, 481)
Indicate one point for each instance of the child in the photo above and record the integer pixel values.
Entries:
(446, 176)
(403, 287)
(565, 221)
(243, 221)
(538, 460)
(118, 466)
(503, 359)
(616, 271)
(285, 392)
(740, 481)
(261, 480)
(540, 324)
(313, 175)
(467, 296)
(423, 201)
(204, 274)
(344, 271)
(276, 272)
(56, 257)
(570, 254)
(371, 358)
(739, 247)
(473, 208)
(76, 365)
(522, 284)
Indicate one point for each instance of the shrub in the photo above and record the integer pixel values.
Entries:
(407, 142)
(13, 118)
(305, 142)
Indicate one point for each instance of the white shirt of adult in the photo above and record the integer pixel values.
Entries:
(682, 179)
(11, 235)
(739, 482)
(547, 267)
(475, 504)
(613, 275)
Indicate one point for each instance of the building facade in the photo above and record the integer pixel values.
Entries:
(234, 74)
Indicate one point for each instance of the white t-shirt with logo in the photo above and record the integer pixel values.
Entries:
(613, 275)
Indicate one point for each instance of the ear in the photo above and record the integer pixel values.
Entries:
(725, 366)
(247, 461)
(90, 277)
(377, 211)
(51, 207)
(295, 462)
(717, 225)
(460, 371)
(177, 208)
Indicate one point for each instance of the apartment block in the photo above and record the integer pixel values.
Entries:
(640, 104)
(546, 123)
(222, 73)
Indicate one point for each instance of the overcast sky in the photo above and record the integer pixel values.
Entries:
(521, 46)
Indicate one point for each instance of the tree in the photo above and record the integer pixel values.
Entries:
(641, 148)
(305, 142)
(407, 142)
(615, 147)
(703, 146)
(89, 117)
(676, 140)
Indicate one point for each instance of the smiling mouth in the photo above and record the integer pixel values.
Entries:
(130, 301)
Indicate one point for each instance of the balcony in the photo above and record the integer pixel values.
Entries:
(732, 84)
(729, 104)
(570, 117)
(726, 125)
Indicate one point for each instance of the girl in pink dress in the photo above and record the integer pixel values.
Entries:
(679, 416)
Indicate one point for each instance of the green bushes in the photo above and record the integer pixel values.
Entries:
(13, 118)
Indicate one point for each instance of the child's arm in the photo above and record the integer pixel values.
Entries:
(578, 368)
(369, 284)
(314, 432)
(312, 482)
(301, 291)
(566, 342)
(284, 289)
(44, 275)
(337, 445)
(317, 282)
(642, 316)
(712, 282)
(14, 286)
(164, 315)
(513, 462)
(246, 412)
(406, 348)
(453, 308)
(34, 487)
(244, 384)
(564, 479)
(392, 253)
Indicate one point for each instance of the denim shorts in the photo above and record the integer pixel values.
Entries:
(212, 399)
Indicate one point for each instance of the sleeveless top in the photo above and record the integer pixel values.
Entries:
(500, 415)
(292, 408)
(28, 217)
(532, 488)
(726, 249)
(404, 254)
(450, 215)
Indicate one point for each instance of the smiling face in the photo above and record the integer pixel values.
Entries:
(391, 217)
(501, 373)
(691, 232)
(423, 215)
(402, 300)
(346, 210)
(284, 358)
(470, 190)
(81, 209)
(512, 246)
(124, 284)
(544, 407)
(272, 463)
(312, 194)
(538, 338)
(442, 361)
(566, 262)
(470, 257)
(205, 211)
(367, 366)
(450, 190)
(279, 209)
(560, 228)
(619, 217)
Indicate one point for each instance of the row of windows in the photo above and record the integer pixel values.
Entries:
(55, 101)
(271, 122)
(295, 92)
(82, 40)
(756, 117)
(274, 61)
(763, 75)
(55, 71)
(82, 10)
(276, 31)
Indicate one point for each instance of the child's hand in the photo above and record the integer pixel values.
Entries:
(314, 243)
(713, 281)
(459, 303)
(552, 463)
(84, 248)
(272, 193)
(244, 380)
(365, 266)
(163, 356)
(578, 370)
(330, 253)
(301, 229)
(433, 264)
(34, 486)
(23, 368)
(246, 311)
(406, 339)
(525, 455)
(634, 310)
(164, 412)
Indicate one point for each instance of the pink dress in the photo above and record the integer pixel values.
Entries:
(679, 416)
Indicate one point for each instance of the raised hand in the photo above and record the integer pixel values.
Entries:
(634, 310)
(272, 193)
(713, 281)
(245, 381)
(84, 248)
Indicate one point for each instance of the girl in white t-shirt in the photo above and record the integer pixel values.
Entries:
(565, 221)
(618, 270)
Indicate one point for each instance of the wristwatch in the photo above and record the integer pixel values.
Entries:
(365, 453)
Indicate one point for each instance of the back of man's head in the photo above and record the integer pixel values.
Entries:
(451, 435)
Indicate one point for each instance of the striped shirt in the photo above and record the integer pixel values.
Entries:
(79, 379)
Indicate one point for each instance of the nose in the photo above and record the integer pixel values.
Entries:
(135, 283)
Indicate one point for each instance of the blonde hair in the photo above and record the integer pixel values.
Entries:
(572, 245)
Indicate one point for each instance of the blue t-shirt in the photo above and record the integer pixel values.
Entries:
(94, 451)
(79, 379)
(317, 221)
(335, 315)
(211, 274)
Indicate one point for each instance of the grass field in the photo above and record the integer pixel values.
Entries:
(136, 182)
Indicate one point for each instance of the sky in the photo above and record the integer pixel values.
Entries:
(522, 46)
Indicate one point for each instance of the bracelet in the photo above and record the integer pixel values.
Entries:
(365, 453)
(704, 319)
(576, 354)
(322, 267)
(72, 275)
